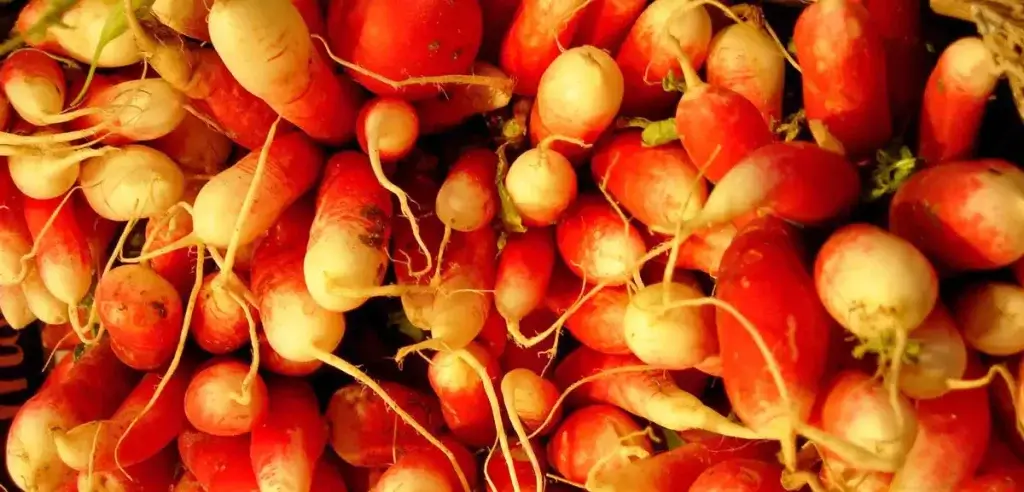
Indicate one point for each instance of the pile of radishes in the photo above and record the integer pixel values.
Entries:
(202, 192)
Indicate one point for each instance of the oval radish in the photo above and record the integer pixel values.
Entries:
(143, 314)
(989, 314)
(609, 256)
(468, 198)
(747, 61)
(663, 332)
(132, 182)
(594, 441)
(212, 405)
(541, 183)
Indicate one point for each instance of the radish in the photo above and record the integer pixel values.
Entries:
(640, 390)
(14, 234)
(960, 214)
(523, 273)
(594, 441)
(36, 34)
(493, 336)
(954, 101)
(130, 436)
(187, 17)
(34, 84)
(177, 267)
(195, 146)
(156, 473)
(14, 307)
(666, 29)
(939, 356)
(327, 475)
(92, 389)
(497, 475)
(461, 102)
(538, 353)
(664, 329)
(219, 325)
(427, 470)
(217, 459)
(354, 215)
(741, 475)
(273, 362)
(605, 23)
(300, 83)
(541, 185)
(50, 173)
(80, 33)
(774, 378)
(61, 250)
(464, 403)
(988, 315)
(702, 251)
(578, 97)
(212, 404)
(468, 198)
(530, 398)
(362, 432)
(745, 60)
(855, 106)
(143, 314)
(597, 321)
(287, 445)
(40, 301)
(539, 32)
(133, 182)
(899, 24)
(129, 111)
(658, 186)
(609, 256)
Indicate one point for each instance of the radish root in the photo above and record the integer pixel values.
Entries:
(508, 396)
(492, 399)
(993, 371)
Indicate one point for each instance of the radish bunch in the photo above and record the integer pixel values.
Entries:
(546, 244)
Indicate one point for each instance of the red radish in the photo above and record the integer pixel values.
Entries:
(143, 314)
(353, 214)
(210, 457)
(34, 84)
(658, 186)
(952, 437)
(606, 23)
(578, 98)
(524, 270)
(30, 14)
(300, 83)
(597, 321)
(445, 43)
(195, 146)
(288, 443)
(875, 284)
(81, 32)
(364, 434)
(273, 362)
(538, 326)
(327, 475)
(666, 29)
(960, 214)
(858, 409)
(464, 402)
(744, 59)
(427, 470)
(899, 24)
(156, 473)
(93, 387)
(187, 17)
(61, 249)
(468, 198)
(14, 233)
(594, 441)
(764, 278)
(136, 432)
(531, 398)
(99, 232)
(219, 325)
(741, 475)
(650, 394)
(132, 182)
(130, 110)
(499, 478)
(212, 404)
(989, 316)
(610, 256)
(541, 184)
(665, 329)
(855, 106)
(954, 101)
(461, 102)
(493, 336)
(41, 302)
(539, 32)
(177, 267)
(939, 355)
(677, 469)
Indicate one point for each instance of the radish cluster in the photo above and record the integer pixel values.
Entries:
(549, 244)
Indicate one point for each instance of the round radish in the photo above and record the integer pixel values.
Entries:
(212, 404)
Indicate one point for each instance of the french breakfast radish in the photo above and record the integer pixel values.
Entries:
(468, 198)
(210, 457)
(177, 267)
(143, 314)
(34, 84)
(14, 234)
(287, 445)
(131, 110)
(651, 51)
(14, 307)
(702, 251)
(51, 172)
(353, 214)
(609, 256)
(541, 184)
(940, 355)
(664, 329)
(531, 398)
(988, 315)
(605, 23)
(523, 273)
(658, 186)
(741, 475)
(219, 325)
(132, 182)
(539, 31)
(835, 37)
(211, 402)
(62, 251)
(954, 101)
(962, 214)
(464, 402)
(596, 440)
(744, 59)
(277, 62)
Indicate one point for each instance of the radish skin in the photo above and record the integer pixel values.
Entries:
(988, 315)
(743, 475)
(132, 182)
(287, 445)
(468, 198)
(501, 480)
(664, 334)
(219, 325)
(532, 398)
(14, 234)
(608, 257)
(541, 184)
(156, 473)
(62, 257)
(464, 403)
(595, 440)
(35, 86)
(143, 314)
(427, 470)
(133, 110)
(211, 406)
(597, 322)
(187, 17)
(534, 40)
(745, 60)
(195, 146)
(606, 23)
(523, 274)
(461, 102)
(212, 458)
(14, 307)
(52, 172)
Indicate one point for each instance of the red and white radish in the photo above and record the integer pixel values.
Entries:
(744, 59)
(988, 314)
(468, 198)
(596, 244)
(213, 406)
(288, 443)
(541, 184)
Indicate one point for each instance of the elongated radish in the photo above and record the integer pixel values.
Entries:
(651, 50)
(987, 314)
(609, 256)
(606, 23)
(539, 30)
(899, 24)
(848, 274)
(744, 59)
(664, 332)
(195, 146)
(62, 250)
(34, 84)
(954, 101)
(219, 324)
(962, 214)
(764, 277)
(80, 31)
(278, 43)
(742, 475)
(187, 17)
(468, 198)
(143, 314)
(40, 301)
(156, 473)
(523, 273)
(658, 186)
(464, 403)
(14, 307)
(353, 214)
(288, 443)
(132, 110)
(14, 234)
(578, 98)
(939, 356)
(531, 398)
(596, 440)
(855, 106)
(210, 457)
(110, 444)
(461, 102)
(92, 388)
(649, 394)
(541, 183)
(426, 470)
(598, 321)
(363, 433)
(132, 182)
(212, 404)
